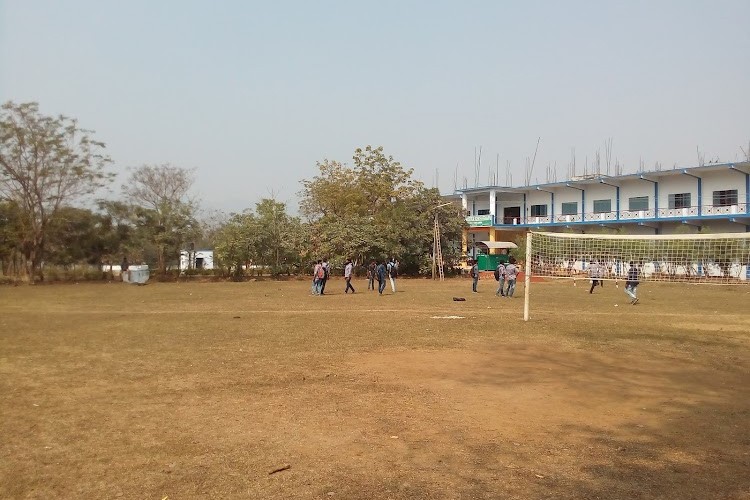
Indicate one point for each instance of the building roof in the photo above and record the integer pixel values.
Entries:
(743, 167)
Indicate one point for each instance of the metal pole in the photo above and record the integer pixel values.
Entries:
(527, 277)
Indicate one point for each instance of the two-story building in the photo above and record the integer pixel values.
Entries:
(715, 197)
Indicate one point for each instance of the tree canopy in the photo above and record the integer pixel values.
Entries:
(45, 163)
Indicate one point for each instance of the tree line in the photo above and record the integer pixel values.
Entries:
(51, 170)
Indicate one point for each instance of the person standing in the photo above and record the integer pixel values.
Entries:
(371, 270)
(500, 277)
(595, 272)
(326, 275)
(511, 273)
(380, 272)
(125, 270)
(392, 269)
(348, 275)
(474, 276)
(632, 283)
(318, 274)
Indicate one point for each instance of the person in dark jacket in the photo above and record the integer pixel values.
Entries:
(371, 275)
(380, 273)
(474, 276)
(632, 283)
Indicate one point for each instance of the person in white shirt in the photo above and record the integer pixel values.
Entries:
(511, 273)
(348, 275)
(392, 269)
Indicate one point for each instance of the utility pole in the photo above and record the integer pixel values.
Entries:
(437, 250)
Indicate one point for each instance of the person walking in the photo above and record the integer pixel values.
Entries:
(511, 273)
(326, 275)
(348, 275)
(380, 272)
(392, 270)
(474, 276)
(371, 270)
(632, 283)
(500, 277)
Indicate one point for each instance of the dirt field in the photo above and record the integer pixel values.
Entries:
(202, 390)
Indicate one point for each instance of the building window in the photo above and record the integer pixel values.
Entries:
(602, 206)
(483, 211)
(679, 200)
(638, 203)
(725, 198)
(570, 208)
(539, 210)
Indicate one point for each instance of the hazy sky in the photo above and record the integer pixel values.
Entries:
(252, 94)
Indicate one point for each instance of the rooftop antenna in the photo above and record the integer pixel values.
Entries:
(533, 161)
(477, 165)
(701, 157)
(598, 163)
(507, 173)
(527, 172)
(746, 152)
(455, 178)
(497, 169)
(608, 153)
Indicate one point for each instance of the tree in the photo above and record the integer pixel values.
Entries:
(164, 210)
(10, 237)
(235, 243)
(45, 163)
(375, 209)
(274, 238)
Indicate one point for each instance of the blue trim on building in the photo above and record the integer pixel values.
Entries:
(643, 221)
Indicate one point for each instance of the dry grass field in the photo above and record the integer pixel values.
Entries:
(203, 390)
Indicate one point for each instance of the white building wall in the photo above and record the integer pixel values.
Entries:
(674, 184)
(635, 188)
(206, 255)
(669, 182)
(479, 202)
(599, 192)
(721, 181)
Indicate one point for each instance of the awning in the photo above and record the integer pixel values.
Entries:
(498, 244)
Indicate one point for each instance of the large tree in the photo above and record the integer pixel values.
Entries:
(269, 237)
(45, 164)
(375, 208)
(164, 209)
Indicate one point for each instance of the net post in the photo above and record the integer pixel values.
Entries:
(527, 277)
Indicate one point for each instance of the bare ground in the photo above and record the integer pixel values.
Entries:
(204, 390)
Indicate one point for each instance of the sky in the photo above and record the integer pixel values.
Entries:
(252, 94)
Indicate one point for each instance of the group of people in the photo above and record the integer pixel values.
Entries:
(596, 275)
(380, 270)
(506, 275)
(376, 270)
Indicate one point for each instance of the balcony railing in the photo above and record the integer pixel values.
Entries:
(627, 215)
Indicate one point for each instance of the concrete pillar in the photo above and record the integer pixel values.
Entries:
(493, 237)
(493, 202)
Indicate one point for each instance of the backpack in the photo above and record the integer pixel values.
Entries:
(321, 273)
(497, 274)
(393, 271)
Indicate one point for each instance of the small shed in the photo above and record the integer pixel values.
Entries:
(198, 259)
(488, 261)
